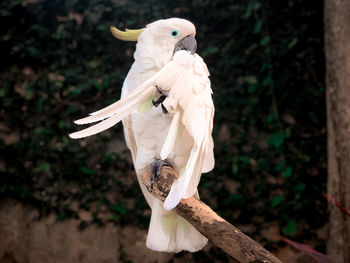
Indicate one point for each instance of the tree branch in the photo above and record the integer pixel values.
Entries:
(220, 232)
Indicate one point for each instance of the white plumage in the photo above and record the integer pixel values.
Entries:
(183, 136)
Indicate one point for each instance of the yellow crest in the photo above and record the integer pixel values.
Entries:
(127, 35)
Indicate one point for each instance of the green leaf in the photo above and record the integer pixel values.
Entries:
(3, 93)
(256, 5)
(61, 124)
(210, 51)
(299, 187)
(276, 200)
(235, 167)
(98, 85)
(234, 7)
(248, 12)
(265, 66)
(279, 167)
(32, 50)
(234, 199)
(277, 139)
(93, 64)
(29, 94)
(271, 117)
(61, 217)
(267, 81)
(38, 130)
(251, 79)
(106, 81)
(292, 43)
(250, 49)
(287, 172)
(24, 192)
(118, 208)
(60, 32)
(265, 41)
(114, 218)
(257, 27)
(86, 170)
(4, 90)
(102, 27)
(252, 88)
(290, 228)
(45, 167)
(111, 158)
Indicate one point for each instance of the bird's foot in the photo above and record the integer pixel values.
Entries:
(164, 110)
(162, 92)
(161, 99)
(156, 169)
(158, 101)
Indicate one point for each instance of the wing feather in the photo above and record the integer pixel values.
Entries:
(132, 101)
(181, 186)
(186, 79)
(198, 111)
(165, 76)
(119, 110)
(103, 125)
(170, 140)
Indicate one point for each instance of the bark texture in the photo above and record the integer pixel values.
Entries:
(337, 48)
(221, 233)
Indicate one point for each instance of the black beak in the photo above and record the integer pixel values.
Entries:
(188, 43)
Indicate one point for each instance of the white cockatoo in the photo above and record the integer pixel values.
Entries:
(166, 72)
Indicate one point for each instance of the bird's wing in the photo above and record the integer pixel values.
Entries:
(197, 118)
(170, 140)
(119, 110)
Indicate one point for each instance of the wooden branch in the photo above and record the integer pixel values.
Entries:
(220, 232)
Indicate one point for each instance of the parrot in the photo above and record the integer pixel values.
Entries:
(167, 73)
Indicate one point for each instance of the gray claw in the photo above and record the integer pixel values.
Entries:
(158, 101)
(165, 111)
(162, 92)
(156, 169)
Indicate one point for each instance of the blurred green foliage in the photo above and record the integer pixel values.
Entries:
(58, 62)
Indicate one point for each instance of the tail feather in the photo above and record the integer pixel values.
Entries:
(170, 232)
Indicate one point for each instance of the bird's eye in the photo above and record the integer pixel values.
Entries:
(174, 33)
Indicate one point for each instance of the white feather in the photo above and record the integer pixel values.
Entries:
(187, 81)
(186, 78)
(193, 93)
(181, 185)
(133, 100)
(169, 143)
(163, 79)
(97, 128)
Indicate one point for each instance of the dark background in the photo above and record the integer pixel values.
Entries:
(59, 61)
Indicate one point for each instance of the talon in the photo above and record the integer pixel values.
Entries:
(158, 101)
(165, 111)
(159, 90)
(156, 169)
(162, 92)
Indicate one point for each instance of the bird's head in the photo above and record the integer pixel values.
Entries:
(161, 39)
